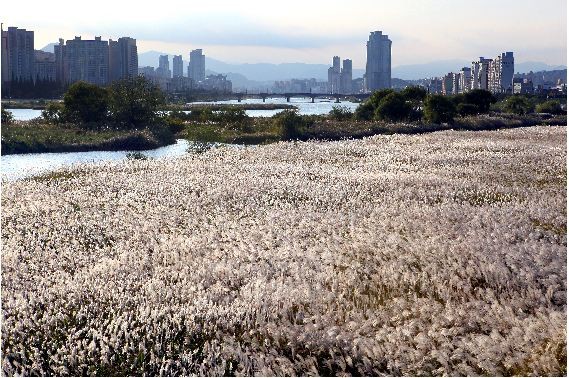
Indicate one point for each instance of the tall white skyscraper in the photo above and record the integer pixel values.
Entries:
(501, 73)
(378, 66)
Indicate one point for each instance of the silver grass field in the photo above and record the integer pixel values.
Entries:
(435, 254)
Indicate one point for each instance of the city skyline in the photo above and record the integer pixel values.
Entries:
(313, 32)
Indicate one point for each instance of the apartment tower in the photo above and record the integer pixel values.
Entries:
(378, 66)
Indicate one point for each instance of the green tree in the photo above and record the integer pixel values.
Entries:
(364, 111)
(379, 95)
(481, 98)
(439, 109)
(414, 94)
(54, 112)
(86, 103)
(518, 105)
(467, 109)
(393, 107)
(551, 106)
(340, 113)
(135, 102)
(7, 116)
(291, 123)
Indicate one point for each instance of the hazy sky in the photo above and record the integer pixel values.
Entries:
(252, 31)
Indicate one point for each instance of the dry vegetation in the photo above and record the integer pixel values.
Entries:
(434, 254)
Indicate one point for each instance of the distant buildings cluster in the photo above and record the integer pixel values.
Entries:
(98, 62)
(175, 81)
(494, 75)
(20, 62)
(340, 79)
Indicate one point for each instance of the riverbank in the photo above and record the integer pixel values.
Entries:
(35, 136)
(270, 130)
(401, 255)
(22, 137)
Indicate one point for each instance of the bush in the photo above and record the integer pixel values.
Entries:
(439, 109)
(480, 98)
(54, 112)
(364, 112)
(175, 125)
(232, 115)
(134, 102)
(414, 94)
(379, 95)
(551, 107)
(86, 103)
(340, 113)
(393, 107)
(467, 109)
(518, 105)
(7, 116)
(291, 123)
(136, 156)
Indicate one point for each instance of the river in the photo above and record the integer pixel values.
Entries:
(14, 167)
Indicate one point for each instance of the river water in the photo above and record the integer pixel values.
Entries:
(14, 167)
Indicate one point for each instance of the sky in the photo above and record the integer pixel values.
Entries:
(309, 31)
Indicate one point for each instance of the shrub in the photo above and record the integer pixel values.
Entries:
(134, 102)
(86, 103)
(379, 95)
(54, 112)
(414, 94)
(232, 115)
(291, 123)
(340, 113)
(7, 116)
(137, 155)
(466, 109)
(393, 107)
(364, 112)
(175, 125)
(551, 106)
(518, 105)
(481, 98)
(439, 109)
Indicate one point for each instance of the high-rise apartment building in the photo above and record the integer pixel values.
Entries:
(501, 73)
(4, 51)
(465, 78)
(123, 59)
(346, 77)
(447, 84)
(378, 66)
(334, 76)
(479, 72)
(83, 60)
(18, 52)
(178, 66)
(340, 79)
(163, 69)
(44, 66)
(196, 67)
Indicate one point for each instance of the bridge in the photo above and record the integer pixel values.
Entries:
(337, 96)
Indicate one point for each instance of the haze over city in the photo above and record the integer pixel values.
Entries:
(312, 32)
